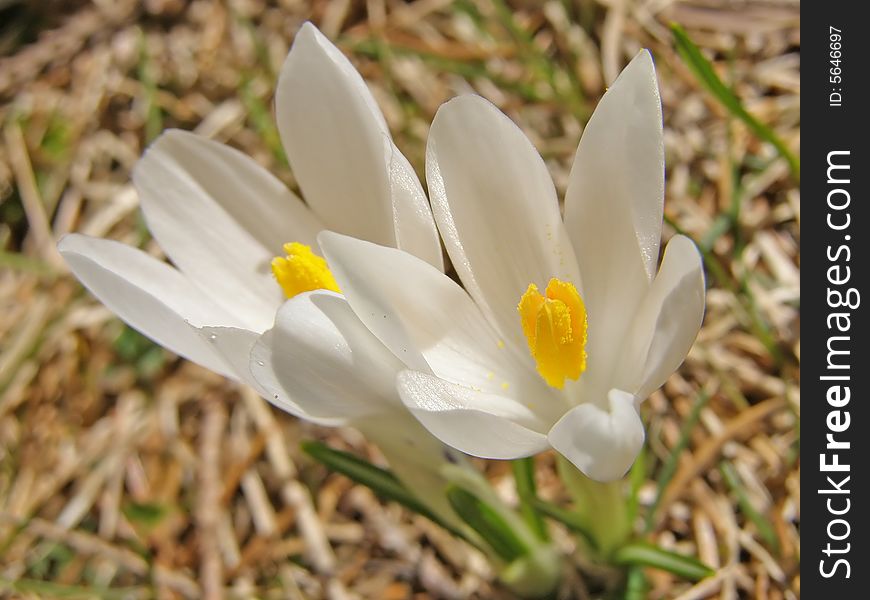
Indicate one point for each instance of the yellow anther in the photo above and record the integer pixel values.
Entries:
(555, 329)
(302, 271)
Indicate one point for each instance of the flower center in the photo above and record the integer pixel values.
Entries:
(302, 271)
(555, 328)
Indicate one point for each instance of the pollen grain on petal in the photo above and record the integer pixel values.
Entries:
(555, 329)
(302, 271)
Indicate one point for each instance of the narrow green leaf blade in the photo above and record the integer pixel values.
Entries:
(647, 555)
(569, 519)
(486, 521)
(48, 589)
(524, 477)
(703, 70)
(735, 484)
(379, 480)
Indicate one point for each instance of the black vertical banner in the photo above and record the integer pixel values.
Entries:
(835, 431)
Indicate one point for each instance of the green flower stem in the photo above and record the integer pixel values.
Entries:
(601, 507)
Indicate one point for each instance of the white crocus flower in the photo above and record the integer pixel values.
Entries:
(498, 383)
(221, 218)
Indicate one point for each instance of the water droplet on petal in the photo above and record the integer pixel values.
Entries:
(261, 363)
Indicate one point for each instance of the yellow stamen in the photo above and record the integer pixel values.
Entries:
(555, 328)
(302, 271)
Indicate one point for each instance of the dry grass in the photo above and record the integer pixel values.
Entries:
(128, 473)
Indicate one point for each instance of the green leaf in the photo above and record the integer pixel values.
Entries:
(524, 477)
(647, 555)
(487, 522)
(379, 480)
(571, 520)
(703, 70)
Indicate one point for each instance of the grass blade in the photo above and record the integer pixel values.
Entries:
(569, 519)
(49, 589)
(703, 70)
(670, 465)
(486, 521)
(765, 530)
(647, 555)
(381, 481)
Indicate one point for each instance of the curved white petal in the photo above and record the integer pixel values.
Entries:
(412, 218)
(620, 161)
(341, 152)
(427, 320)
(320, 362)
(474, 422)
(669, 318)
(602, 444)
(221, 218)
(149, 295)
(368, 282)
(613, 206)
(496, 208)
(235, 346)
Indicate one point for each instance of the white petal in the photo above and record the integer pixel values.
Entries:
(368, 283)
(415, 228)
(602, 444)
(428, 321)
(613, 206)
(221, 218)
(496, 208)
(620, 161)
(670, 316)
(235, 346)
(149, 295)
(474, 422)
(340, 150)
(320, 363)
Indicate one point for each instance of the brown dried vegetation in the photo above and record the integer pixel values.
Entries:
(125, 472)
